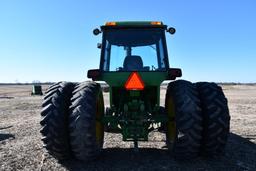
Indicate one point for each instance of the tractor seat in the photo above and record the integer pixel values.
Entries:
(132, 63)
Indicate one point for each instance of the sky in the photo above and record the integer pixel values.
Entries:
(52, 40)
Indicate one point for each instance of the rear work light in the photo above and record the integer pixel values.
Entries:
(134, 82)
(156, 23)
(110, 24)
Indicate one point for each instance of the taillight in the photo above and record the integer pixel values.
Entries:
(134, 82)
(173, 73)
(93, 73)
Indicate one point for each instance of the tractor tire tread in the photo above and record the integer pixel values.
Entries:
(81, 121)
(188, 119)
(54, 122)
(216, 118)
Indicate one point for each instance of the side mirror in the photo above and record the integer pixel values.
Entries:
(96, 31)
(93, 74)
(171, 30)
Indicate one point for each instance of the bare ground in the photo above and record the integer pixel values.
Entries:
(21, 147)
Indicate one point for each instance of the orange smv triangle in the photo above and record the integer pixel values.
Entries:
(134, 82)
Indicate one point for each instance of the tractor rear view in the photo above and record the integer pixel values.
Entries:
(134, 62)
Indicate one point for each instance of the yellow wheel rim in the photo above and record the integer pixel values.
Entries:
(99, 115)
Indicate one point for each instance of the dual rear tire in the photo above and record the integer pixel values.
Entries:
(86, 130)
(198, 119)
(183, 104)
(70, 120)
(216, 118)
(54, 120)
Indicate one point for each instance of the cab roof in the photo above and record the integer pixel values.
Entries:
(132, 24)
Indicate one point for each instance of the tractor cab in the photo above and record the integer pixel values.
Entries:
(134, 48)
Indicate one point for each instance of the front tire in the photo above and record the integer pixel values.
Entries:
(86, 129)
(216, 118)
(184, 129)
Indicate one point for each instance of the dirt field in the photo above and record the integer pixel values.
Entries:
(21, 147)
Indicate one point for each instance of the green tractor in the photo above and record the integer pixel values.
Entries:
(134, 62)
